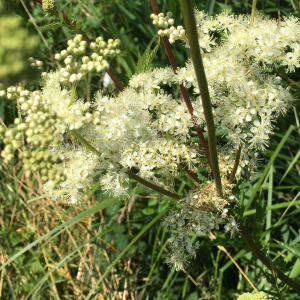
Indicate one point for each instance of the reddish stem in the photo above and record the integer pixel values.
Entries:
(236, 164)
(186, 169)
(182, 88)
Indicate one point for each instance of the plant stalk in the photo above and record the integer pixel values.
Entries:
(73, 92)
(253, 12)
(236, 164)
(191, 30)
(266, 261)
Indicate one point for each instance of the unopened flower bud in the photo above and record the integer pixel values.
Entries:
(73, 78)
(17, 121)
(39, 63)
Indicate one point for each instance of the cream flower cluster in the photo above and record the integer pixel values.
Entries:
(78, 167)
(201, 212)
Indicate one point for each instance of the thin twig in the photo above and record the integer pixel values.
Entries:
(222, 248)
(36, 27)
(287, 209)
(236, 164)
(189, 172)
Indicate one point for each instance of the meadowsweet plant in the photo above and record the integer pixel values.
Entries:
(147, 129)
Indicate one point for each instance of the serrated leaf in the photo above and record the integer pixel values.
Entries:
(61, 17)
(145, 61)
(294, 249)
(79, 25)
(70, 11)
(50, 26)
(280, 264)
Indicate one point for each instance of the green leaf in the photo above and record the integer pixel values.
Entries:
(148, 211)
(209, 6)
(294, 249)
(61, 17)
(145, 61)
(280, 264)
(70, 11)
(193, 296)
(50, 26)
(78, 25)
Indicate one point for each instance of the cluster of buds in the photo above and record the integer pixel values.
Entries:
(164, 22)
(34, 63)
(76, 47)
(14, 92)
(73, 72)
(39, 131)
(48, 5)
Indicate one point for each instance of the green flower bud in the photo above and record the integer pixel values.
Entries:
(45, 178)
(28, 173)
(34, 168)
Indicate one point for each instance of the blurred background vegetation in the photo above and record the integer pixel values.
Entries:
(117, 250)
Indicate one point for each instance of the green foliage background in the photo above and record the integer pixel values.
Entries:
(106, 249)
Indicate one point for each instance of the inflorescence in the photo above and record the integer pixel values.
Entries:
(145, 127)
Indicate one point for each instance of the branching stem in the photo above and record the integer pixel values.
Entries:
(191, 30)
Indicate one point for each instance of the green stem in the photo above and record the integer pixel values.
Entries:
(73, 92)
(191, 30)
(132, 175)
(152, 186)
(83, 141)
(253, 12)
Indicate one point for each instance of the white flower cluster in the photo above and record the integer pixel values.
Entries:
(146, 128)
(78, 167)
(71, 115)
(246, 100)
(124, 132)
(196, 217)
(14, 92)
